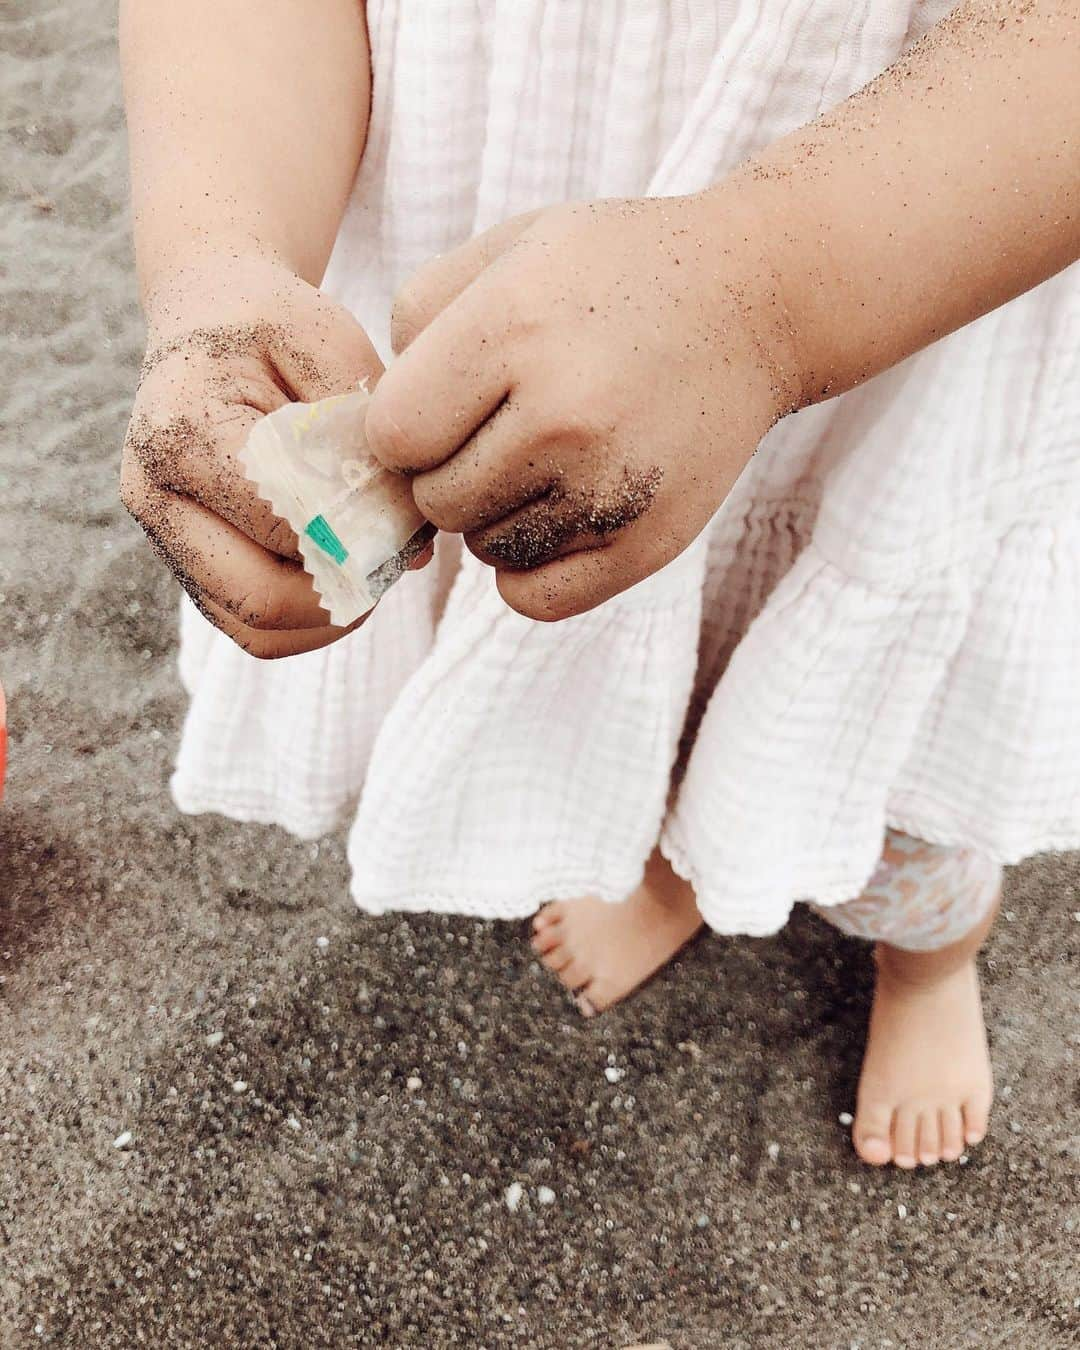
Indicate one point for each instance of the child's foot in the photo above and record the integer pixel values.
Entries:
(602, 952)
(926, 1086)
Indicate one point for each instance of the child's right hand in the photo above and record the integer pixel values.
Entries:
(229, 340)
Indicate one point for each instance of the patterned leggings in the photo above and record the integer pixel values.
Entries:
(921, 896)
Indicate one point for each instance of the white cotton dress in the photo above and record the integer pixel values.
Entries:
(881, 625)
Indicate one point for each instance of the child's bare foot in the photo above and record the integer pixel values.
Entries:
(602, 951)
(926, 1086)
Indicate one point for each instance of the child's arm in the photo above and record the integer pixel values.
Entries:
(582, 408)
(247, 120)
(942, 190)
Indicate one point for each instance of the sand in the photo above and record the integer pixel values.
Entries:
(399, 1077)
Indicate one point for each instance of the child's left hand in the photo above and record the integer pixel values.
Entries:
(581, 407)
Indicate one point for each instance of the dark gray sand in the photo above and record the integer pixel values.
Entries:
(402, 1075)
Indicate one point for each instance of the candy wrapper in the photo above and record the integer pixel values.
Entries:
(357, 524)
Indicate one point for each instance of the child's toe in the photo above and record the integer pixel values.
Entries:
(600, 994)
(556, 958)
(546, 918)
(569, 971)
(574, 975)
(929, 1137)
(545, 939)
(872, 1133)
(585, 1004)
(976, 1119)
(905, 1129)
(952, 1133)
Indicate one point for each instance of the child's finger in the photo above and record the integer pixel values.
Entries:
(587, 571)
(446, 385)
(496, 472)
(269, 644)
(570, 585)
(434, 285)
(542, 532)
(199, 460)
(215, 562)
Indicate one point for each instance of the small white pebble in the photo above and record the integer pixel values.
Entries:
(962, 1160)
(239, 1086)
(214, 1039)
(322, 943)
(846, 1118)
(613, 1075)
(1076, 915)
(1009, 916)
(122, 1140)
(1016, 1127)
(512, 1195)
(414, 1084)
(545, 1195)
(293, 1123)
(773, 1151)
(952, 1218)
(901, 1211)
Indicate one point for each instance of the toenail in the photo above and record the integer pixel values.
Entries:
(974, 1138)
(904, 1160)
(873, 1150)
(928, 1159)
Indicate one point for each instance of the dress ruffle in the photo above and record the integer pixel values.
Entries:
(529, 761)
(846, 709)
(287, 743)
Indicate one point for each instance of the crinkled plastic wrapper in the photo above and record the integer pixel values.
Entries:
(358, 526)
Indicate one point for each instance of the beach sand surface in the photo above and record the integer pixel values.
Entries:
(217, 1131)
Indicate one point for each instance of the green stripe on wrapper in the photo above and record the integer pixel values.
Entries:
(319, 529)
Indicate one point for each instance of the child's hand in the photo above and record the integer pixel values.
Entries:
(229, 340)
(583, 407)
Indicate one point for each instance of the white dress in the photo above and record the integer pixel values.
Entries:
(880, 626)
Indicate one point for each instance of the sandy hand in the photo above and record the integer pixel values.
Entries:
(229, 341)
(580, 409)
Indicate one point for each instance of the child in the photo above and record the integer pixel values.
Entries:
(868, 630)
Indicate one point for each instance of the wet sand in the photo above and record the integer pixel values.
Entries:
(322, 1134)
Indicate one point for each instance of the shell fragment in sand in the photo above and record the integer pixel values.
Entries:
(358, 526)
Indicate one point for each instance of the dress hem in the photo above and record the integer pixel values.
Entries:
(757, 918)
